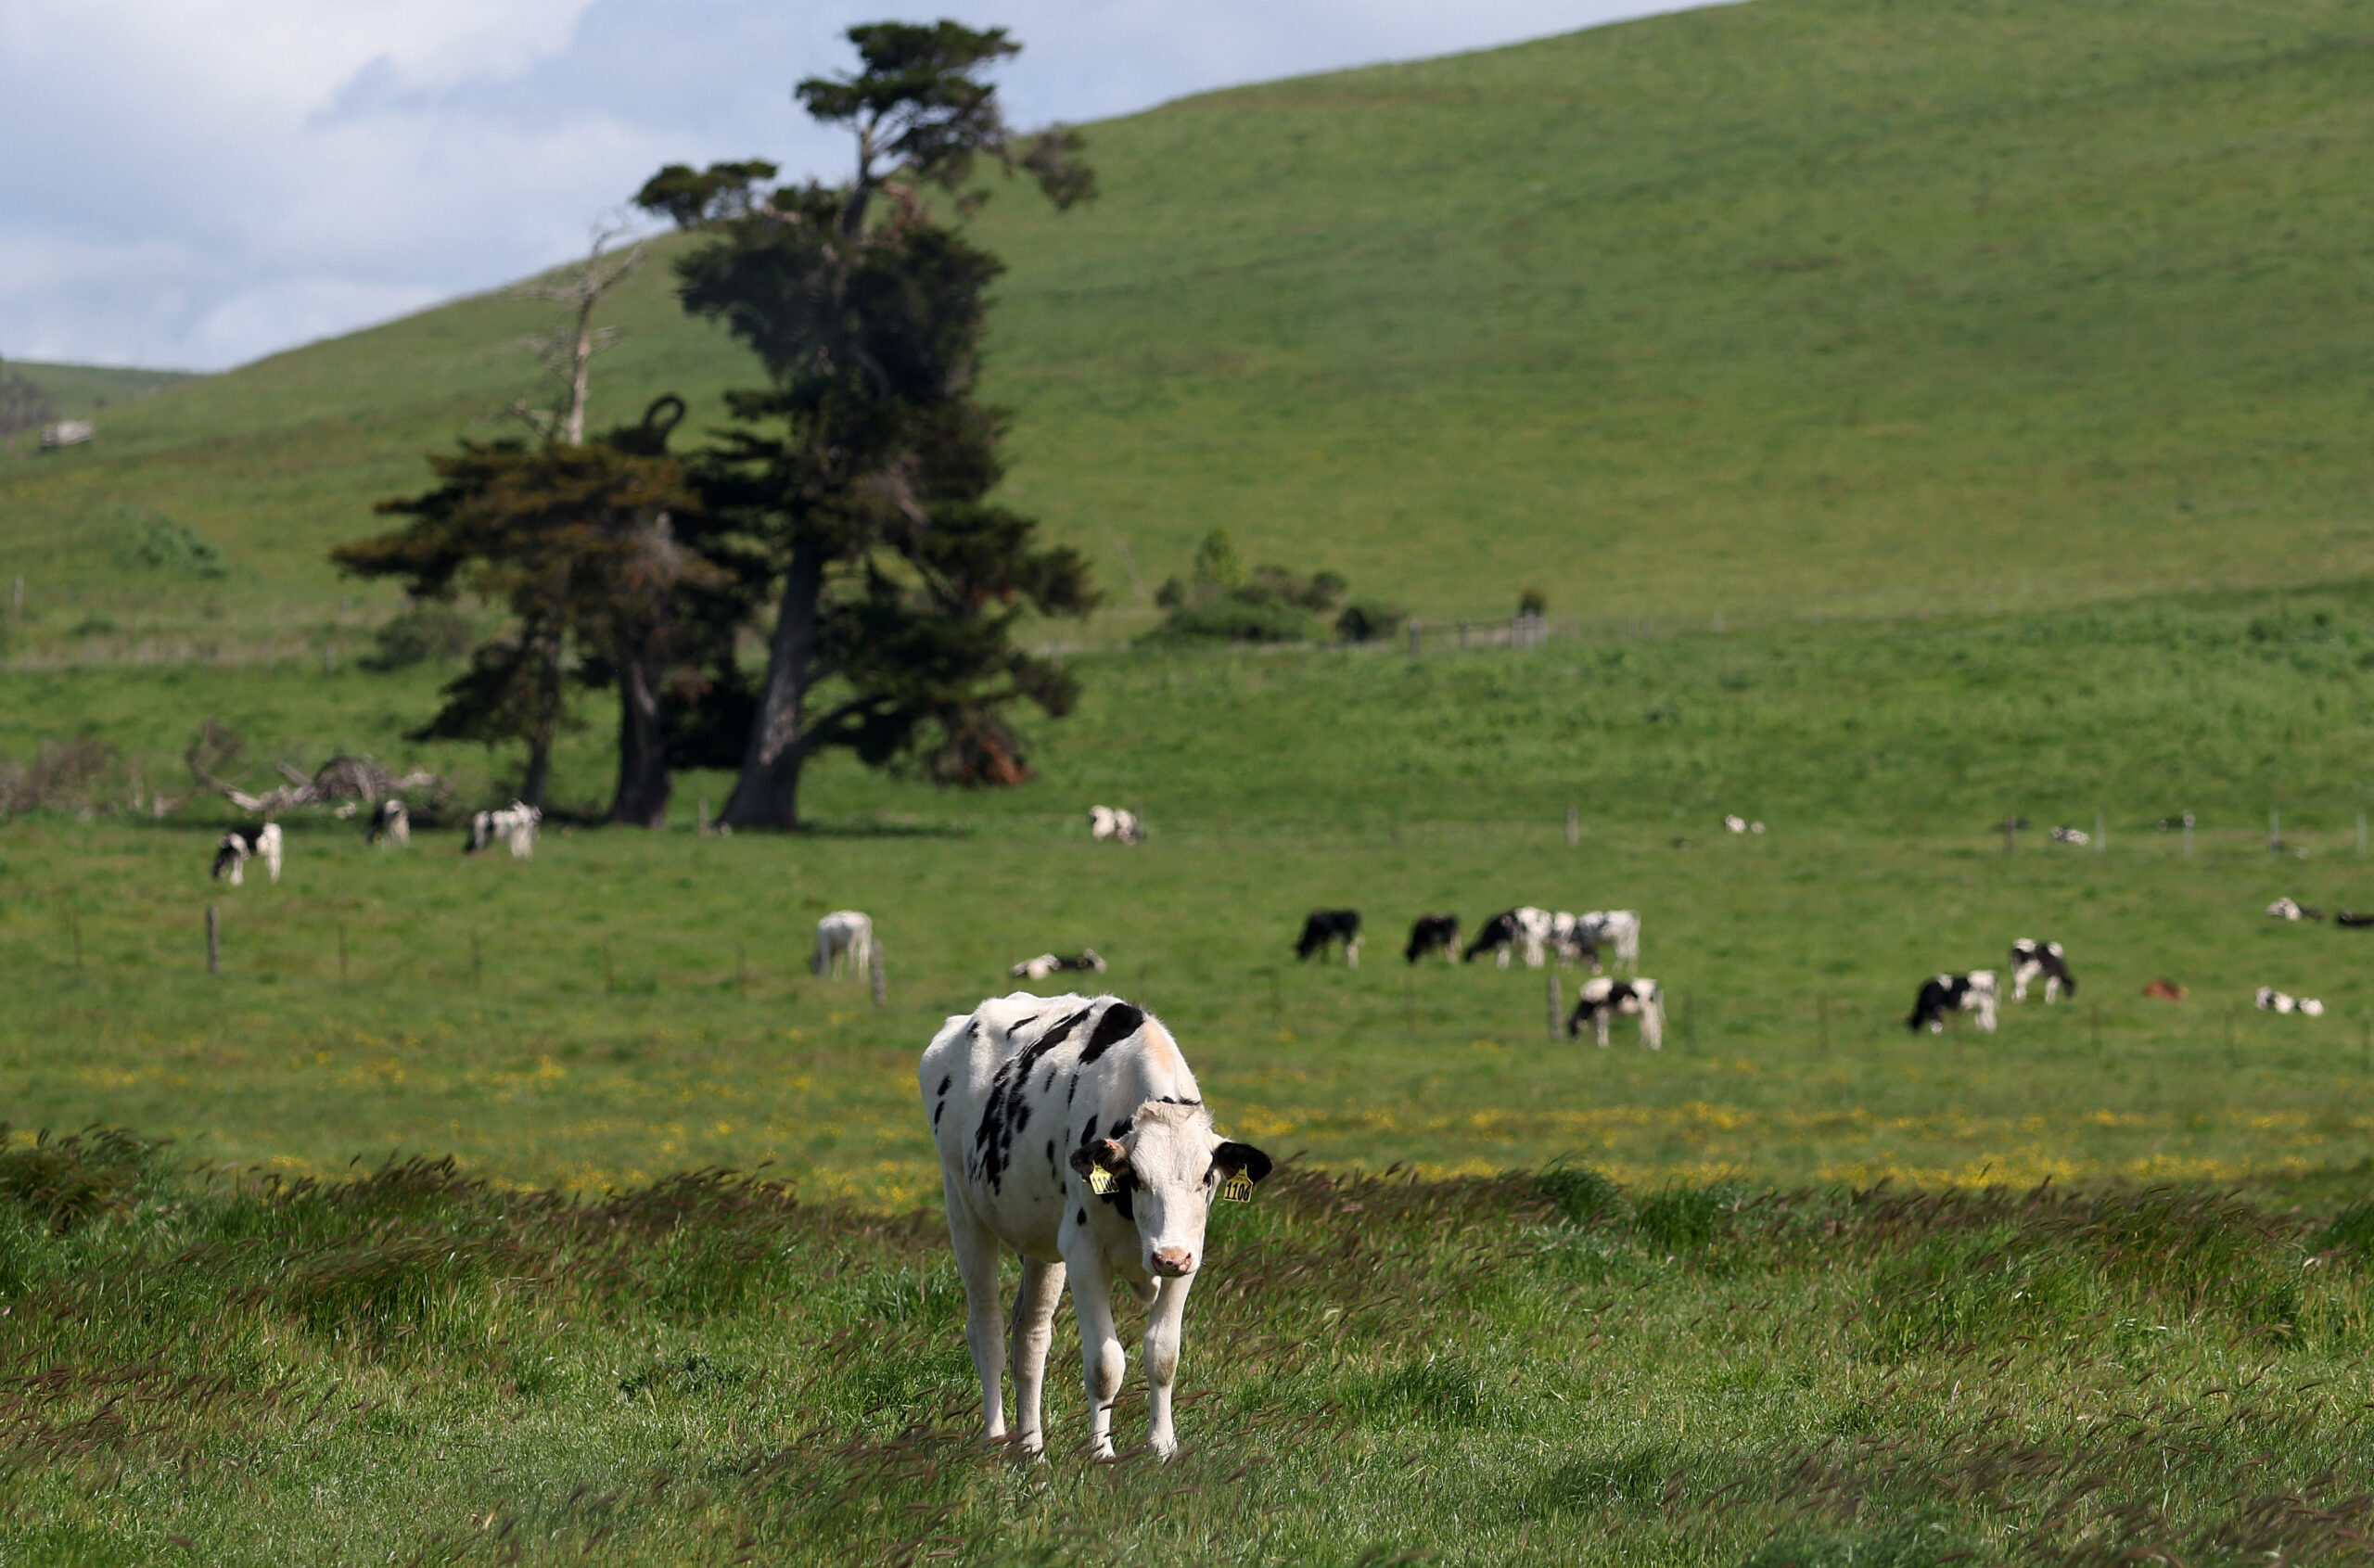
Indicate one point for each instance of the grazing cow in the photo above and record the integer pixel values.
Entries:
(1739, 824)
(1524, 928)
(2030, 959)
(391, 822)
(1940, 994)
(1432, 933)
(68, 432)
(1323, 926)
(1037, 969)
(2166, 990)
(2284, 908)
(1071, 1132)
(2353, 921)
(2076, 836)
(844, 936)
(231, 854)
(1619, 929)
(2272, 1000)
(1607, 998)
(1110, 821)
(515, 825)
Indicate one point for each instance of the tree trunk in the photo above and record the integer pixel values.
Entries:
(767, 795)
(644, 781)
(543, 724)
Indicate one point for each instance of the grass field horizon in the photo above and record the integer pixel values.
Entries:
(1760, 311)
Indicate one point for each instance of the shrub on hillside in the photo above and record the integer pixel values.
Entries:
(156, 540)
(1221, 602)
(63, 776)
(1369, 623)
(22, 402)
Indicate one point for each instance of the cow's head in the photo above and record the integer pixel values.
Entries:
(1170, 1165)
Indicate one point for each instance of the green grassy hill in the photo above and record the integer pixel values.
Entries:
(1859, 306)
(80, 390)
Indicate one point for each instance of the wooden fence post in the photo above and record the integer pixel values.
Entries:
(881, 977)
(1574, 826)
(1553, 1003)
(2187, 835)
(1463, 635)
(74, 928)
(341, 952)
(1417, 637)
(214, 943)
(2101, 831)
(2274, 832)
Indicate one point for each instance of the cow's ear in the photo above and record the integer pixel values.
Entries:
(1102, 1155)
(1242, 1159)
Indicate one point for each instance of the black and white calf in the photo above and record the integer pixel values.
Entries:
(2031, 959)
(391, 822)
(1037, 969)
(236, 847)
(1321, 926)
(2272, 1000)
(1071, 1132)
(1603, 997)
(1940, 994)
(1432, 933)
(515, 825)
(2287, 909)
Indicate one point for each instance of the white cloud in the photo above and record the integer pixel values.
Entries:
(218, 179)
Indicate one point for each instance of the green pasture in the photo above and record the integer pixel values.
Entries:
(1855, 307)
(1539, 1367)
(631, 1003)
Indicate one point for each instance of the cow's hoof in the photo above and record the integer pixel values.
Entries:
(1166, 1449)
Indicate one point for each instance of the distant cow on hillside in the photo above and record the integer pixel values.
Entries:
(234, 849)
(1321, 926)
(68, 432)
(2030, 959)
(2285, 909)
(1605, 997)
(1110, 821)
(391, 822)
(2272, 1000)
(1037, 969)
(843, 937)
(1940, 994)
(1432, 933)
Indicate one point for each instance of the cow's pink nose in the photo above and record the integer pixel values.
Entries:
(1171, 1262)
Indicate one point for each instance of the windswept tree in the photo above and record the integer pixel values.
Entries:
(605, 562)
(863, 469)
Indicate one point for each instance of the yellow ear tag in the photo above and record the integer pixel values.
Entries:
(1099, 1180)
(1237, 1189)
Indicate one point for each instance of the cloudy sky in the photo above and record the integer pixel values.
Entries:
(194, 183)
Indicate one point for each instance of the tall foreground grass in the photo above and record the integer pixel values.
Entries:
(407, 1365)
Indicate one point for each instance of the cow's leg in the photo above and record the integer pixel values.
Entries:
(1103, 1361)
(977, 1263)
(1162, 1361)
(1352, 953)
(1034, 1326)
(1502, 958)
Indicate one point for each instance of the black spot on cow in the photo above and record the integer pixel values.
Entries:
(944, 1082)
(1120, 1129)
(1050, 1157)
(1081, 1218)
(935, 1110)
(1119, 1022)
(1071, 1092)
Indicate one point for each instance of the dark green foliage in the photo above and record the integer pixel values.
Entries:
(1370, 622)
(1583, 1196)
(423, 632)
(688, 198)
(1222, 601)
(861, 473)
(1533, 601)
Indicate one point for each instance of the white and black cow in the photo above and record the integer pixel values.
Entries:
(1432, 933)
(2272, 1000)
(1619, 929)
(1071, 1132)
(2285, 909)
(234, 849)
(1940, 994)
(2030, 959)
(843, 937)
(515, 825)
(1604, 997)
(391, 822)
(1037, 969)
(1110, 821)
(1524, 929)
(1321, 927)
